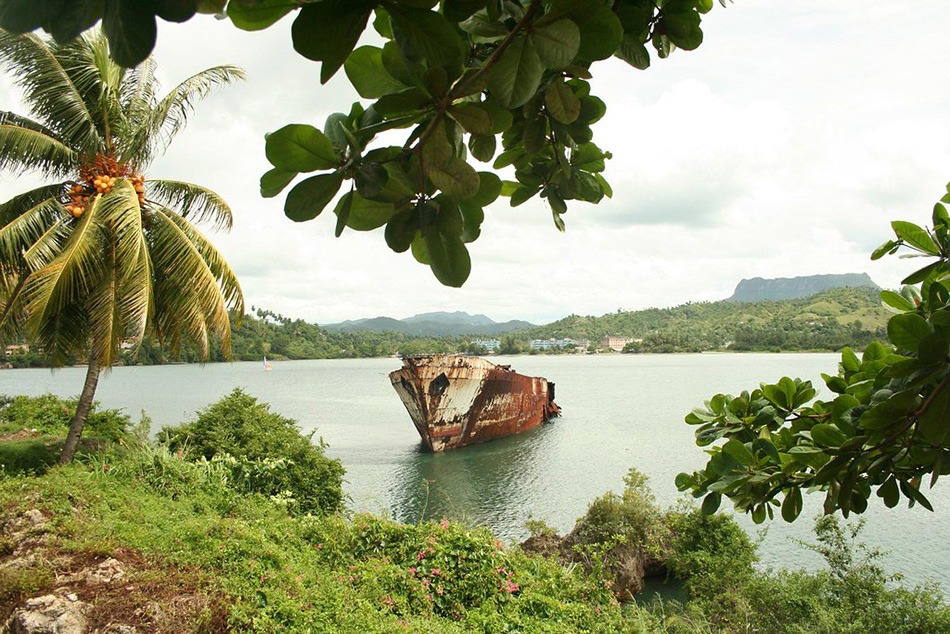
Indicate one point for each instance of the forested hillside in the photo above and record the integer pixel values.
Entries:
(826, 321)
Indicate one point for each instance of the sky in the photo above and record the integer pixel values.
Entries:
(783, 146)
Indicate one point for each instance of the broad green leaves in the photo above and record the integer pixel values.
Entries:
(300, 148)
(467, 80)
(509, 76)
(885, 429)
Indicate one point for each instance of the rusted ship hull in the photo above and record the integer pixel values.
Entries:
(456, 400)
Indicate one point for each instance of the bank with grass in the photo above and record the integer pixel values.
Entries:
(235, 522)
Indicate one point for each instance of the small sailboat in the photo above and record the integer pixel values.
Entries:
(267, 365)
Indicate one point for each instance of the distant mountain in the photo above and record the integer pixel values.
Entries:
(439, 324)
(758, 289)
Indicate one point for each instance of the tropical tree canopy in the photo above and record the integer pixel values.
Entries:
(101, 254)
(499, 83)
(103, 257)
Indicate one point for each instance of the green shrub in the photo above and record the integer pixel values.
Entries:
(264, 451)
(50, 415)
(850, 596)
(714, 558)
(633, 519)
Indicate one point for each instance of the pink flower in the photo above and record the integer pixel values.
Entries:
(420, 556)
(412, 570)
(436, 572)
(319, 546)
(444, 523)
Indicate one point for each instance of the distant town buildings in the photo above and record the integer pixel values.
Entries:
(492, 345)
(548, 344)
(614, 343)
(17, 348)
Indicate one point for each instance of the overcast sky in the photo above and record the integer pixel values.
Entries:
(783, 146)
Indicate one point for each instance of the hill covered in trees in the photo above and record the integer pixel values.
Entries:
(827, 321)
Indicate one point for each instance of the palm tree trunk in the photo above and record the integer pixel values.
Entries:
(82, 409)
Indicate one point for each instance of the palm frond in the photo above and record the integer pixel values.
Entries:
(12, 118)
(24, 150)
(26, 230)
(170, 115)
(188, 299)
(22, 203)
(119, 309)
(197, 204)
(219, 267)
(49, 91)
(138, 92)
(55, 295)
(48, 246)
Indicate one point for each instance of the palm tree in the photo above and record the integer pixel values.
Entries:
(102, 256)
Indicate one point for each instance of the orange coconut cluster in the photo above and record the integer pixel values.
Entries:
(98, 179)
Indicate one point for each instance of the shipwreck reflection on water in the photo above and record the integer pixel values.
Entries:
(490, 484)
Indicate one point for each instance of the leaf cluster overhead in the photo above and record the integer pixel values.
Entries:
(886, 430)
(502, 83)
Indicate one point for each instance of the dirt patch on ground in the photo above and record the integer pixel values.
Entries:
(20, 434)
(118, 591)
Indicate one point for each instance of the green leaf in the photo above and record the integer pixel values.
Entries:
(366, 215)
(131, 31)
(400, 231)
(884, 249)
(915, 236)
(601, 35)
(401, 102)
(739, 452)
(523, 194)
(920, 275)
(254, 15)
(907, 330)
(365, 70)
(682, 27)
(472, 218)
(274, 181)
(889, 492)
(370, 178)
(935, 422)
(792, 505)
(342, 211)
(711, 503)
(448, 258)
(489, 188)
(327, 31)
(300, 148)
(459, 10)
(309, 197)
(896, 300)
(482, 147)
(850, 361)
(561, 102)
(473, 118)
(827, 435)
(454, 177)
(423, 34)
(556, 43)
(517, 74)
(634, 52)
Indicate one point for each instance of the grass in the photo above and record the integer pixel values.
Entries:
(224, 562)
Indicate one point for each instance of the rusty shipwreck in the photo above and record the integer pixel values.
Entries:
(457, 400)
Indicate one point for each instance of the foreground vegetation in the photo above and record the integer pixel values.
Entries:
(226, 542)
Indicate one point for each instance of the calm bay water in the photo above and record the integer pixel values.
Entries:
(619, 411)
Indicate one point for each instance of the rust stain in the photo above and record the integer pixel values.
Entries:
(455, 400)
